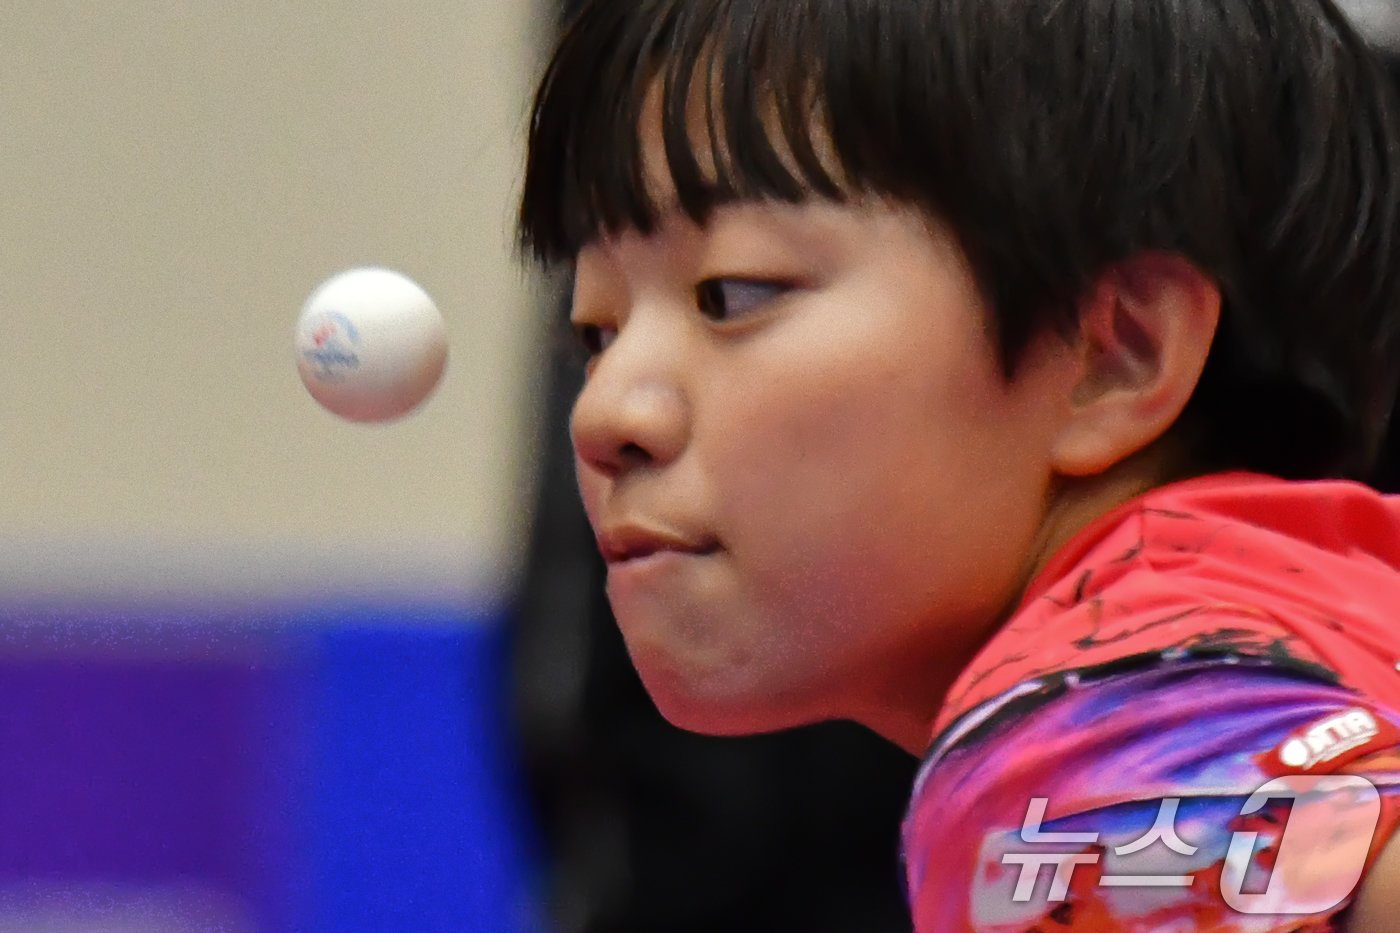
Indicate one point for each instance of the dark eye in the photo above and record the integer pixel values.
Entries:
(592, 339)
(723, 299)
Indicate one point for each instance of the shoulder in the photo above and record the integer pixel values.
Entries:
(1029, 807)
(1304, 574)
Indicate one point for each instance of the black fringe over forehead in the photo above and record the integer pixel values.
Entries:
(1002, 107)
(745, 88)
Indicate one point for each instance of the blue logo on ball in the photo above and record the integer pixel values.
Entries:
(334, 342)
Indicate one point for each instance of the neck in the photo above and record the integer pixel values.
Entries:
(1076, 503)
(906, 714)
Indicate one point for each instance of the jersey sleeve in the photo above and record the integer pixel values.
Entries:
(1223, 795)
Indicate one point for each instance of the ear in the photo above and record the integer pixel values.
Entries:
(1145, 330)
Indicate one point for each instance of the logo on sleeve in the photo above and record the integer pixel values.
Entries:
(1337, 739)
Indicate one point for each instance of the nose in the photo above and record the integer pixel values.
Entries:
(632, 411)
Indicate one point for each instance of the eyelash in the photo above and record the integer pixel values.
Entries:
(588, 340)
(708, 294)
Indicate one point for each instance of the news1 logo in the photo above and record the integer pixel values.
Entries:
(1316, 864)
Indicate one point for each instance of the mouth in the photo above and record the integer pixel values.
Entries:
(625, 546)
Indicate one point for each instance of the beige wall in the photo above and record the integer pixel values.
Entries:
(176, 176)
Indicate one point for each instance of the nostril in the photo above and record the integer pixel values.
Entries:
(633, 453)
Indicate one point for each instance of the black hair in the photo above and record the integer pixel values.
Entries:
(1259, 139)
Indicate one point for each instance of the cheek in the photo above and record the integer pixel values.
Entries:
(879, 493)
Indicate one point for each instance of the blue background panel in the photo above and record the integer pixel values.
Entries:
(329, 769)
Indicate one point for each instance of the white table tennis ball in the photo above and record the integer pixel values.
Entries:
(371, 345)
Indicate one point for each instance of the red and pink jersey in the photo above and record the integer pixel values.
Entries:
(1096, 766)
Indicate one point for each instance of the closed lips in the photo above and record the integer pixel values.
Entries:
(620, 545)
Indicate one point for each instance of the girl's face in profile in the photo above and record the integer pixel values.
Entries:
(815, 489)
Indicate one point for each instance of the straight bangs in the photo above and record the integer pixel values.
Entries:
(756, 100)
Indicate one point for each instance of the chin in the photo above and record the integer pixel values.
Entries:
(706, 718)
(718, 701)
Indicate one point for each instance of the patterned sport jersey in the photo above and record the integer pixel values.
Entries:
(1189, 724)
